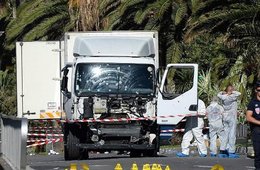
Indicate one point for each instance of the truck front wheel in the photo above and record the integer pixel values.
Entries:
(153, 152)
(71, 140)
(71, 151)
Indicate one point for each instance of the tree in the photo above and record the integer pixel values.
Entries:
(35, 20)
(7, 93)
(38, 19)
(85, 14)
(236, 25)
(169, 17)
(88, 15)
(148, 15)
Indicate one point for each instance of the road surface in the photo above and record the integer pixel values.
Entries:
(109, 161)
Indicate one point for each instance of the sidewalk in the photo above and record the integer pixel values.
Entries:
(241, 150)
(4, 165)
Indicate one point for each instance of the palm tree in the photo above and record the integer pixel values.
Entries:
(244, 37)
(88, 15)
(7, 93)
(150, 15)
(220, 16)
(35, 20)
(38, 19)
(85, 14)
(169, 17)
(236, 25)
(5, 13)
(206, 87)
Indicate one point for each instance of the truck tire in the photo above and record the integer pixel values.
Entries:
(152, 152)
(71, 151)
(71, 140)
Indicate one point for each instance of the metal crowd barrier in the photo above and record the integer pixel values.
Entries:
(14, 137)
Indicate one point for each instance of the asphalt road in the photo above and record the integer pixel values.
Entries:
(109, 161)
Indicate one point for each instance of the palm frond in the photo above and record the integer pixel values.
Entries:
(195, 4)
(114, 18)
(243, 33)
(174, 53)
(127, 4)
(155, 10)
(181, 12)
(219, 18)
(206, 89)
(17, 28)
(45, 26)
(106, 5)
(164, 7)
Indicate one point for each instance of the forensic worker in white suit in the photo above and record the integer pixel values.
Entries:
(229, 99)
(193, 129)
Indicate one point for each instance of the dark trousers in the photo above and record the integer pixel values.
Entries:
(256, 145)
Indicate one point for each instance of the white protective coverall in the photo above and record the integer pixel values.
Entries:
(196, 133)
(216, 128)
(229, 103)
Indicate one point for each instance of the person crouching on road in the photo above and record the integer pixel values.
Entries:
(253, 117)
(193, 128)
(216, 128)
(229, 101)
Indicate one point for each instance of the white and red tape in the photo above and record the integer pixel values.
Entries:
(113, 119)
(48, 141)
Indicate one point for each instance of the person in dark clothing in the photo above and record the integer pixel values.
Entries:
(253, 117)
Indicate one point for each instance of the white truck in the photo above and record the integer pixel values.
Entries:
(107, 85)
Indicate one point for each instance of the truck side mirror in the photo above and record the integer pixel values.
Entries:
(64, 83)
(68, 95)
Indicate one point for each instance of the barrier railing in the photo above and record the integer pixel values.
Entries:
(14, 138)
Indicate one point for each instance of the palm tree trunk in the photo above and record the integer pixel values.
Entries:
(89, 14)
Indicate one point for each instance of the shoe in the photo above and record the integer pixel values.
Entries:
(233, 155)
(203, 155)
(221, 155)
(181, 155)
(213, 155)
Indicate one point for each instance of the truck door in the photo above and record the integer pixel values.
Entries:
(177, 96)
(38, 79)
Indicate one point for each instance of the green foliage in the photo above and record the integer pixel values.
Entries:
(207, 89)
(105, 8)
(4, 80)
(35, 20)
(221, 36)
(177, 52)
(163, 7)
(181, 12)
(154, 10)
(220, 16)
(148, 15)
(7, 93)
(38, 19)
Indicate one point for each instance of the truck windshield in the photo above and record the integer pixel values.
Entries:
(123, 79)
